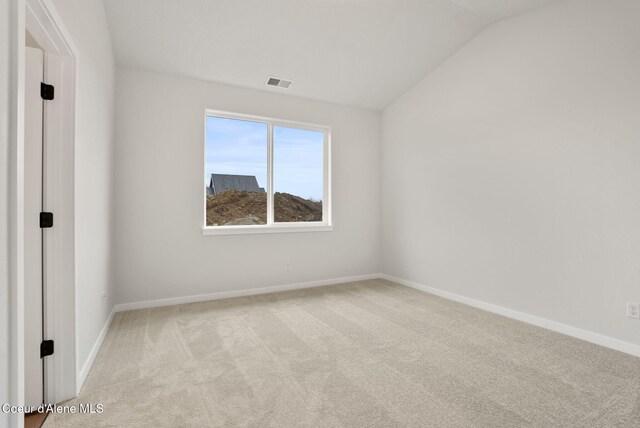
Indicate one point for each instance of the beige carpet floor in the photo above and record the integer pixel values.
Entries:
(366, 354)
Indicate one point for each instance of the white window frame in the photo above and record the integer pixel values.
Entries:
(325, 225)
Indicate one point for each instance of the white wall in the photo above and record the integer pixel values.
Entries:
(511, 174)
(87, 25)
(5, 307)
(160, 250)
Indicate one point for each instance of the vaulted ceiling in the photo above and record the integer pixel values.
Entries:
(363, 53)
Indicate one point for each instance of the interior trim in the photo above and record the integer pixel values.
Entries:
(589, 336)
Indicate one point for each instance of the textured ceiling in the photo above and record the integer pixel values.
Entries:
(363, 53)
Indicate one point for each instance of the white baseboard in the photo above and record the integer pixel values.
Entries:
(239, 293)
(578, 333)
(86, 367)
(589, 336)
(84, 372)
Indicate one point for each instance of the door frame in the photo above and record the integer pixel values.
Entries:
(42, 20)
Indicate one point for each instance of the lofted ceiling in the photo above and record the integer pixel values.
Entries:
(363, 53)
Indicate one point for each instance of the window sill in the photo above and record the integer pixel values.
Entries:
(259, 229)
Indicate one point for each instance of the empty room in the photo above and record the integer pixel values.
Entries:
(320, 213)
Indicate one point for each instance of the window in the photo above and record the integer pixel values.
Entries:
(265, 175)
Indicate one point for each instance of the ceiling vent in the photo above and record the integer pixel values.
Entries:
(278, 83)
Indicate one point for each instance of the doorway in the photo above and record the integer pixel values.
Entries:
(34, 235)
(47, 371)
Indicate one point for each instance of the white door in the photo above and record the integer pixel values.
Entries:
(33, 151)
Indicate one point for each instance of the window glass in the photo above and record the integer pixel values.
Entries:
(236, 172)
(298, 174)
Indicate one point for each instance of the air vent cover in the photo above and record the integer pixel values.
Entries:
(278, 83)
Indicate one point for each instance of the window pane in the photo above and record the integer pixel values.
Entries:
(236, 172)
(298, 174)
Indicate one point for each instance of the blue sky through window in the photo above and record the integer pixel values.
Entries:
(240, 147)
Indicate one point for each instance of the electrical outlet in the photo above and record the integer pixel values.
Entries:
(633, 310)
(288, 267)
(103, 298)
(405, 262)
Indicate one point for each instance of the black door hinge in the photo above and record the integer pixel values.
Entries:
(46, 91)
(46, 348)
(46, 220)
